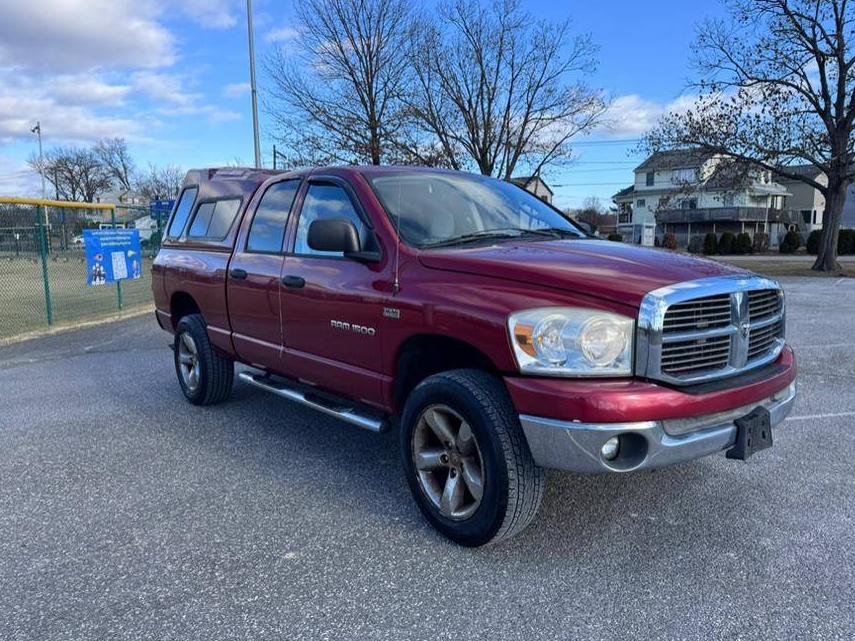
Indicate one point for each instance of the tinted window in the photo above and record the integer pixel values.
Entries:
(182, 212)
(202, 220)
(324, 202)
(213, 220)
(268, 226)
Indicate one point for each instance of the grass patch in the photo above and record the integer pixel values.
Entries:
(774, 268)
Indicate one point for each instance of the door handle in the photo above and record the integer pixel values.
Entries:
(238, 274)
(294, 282)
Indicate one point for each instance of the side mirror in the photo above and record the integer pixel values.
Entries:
(334, 235)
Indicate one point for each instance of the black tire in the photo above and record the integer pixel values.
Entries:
(215, 373)
(512, 483)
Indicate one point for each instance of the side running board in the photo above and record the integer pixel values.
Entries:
(342, 409)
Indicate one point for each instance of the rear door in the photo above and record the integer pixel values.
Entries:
(333, 306)
(254, 278)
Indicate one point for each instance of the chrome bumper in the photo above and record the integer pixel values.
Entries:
(577, 447)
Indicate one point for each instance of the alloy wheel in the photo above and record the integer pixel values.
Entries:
(448, 462)
(188, 361)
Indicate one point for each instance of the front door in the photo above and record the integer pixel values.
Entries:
(333, 306)
(254, 279)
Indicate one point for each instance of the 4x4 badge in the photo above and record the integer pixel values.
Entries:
(391, 312)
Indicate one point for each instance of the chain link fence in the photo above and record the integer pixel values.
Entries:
(43, 268)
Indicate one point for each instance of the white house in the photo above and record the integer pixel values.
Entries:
(690, 193)
(536, 185)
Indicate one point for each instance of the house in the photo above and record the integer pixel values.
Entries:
(535, 185)
(691, 192)
(805, 199)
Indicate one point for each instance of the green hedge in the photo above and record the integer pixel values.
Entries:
(792, 241)
(710, 244)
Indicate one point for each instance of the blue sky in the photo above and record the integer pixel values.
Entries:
(171, 77)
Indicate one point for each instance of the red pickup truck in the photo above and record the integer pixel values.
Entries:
(490, 330)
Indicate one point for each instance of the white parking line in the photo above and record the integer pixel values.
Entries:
(808, 417)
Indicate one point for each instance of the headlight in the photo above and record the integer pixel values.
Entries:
(564, 341)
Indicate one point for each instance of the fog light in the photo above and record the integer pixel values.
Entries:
(611, 448)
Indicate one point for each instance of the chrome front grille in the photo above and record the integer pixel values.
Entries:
(710, 328)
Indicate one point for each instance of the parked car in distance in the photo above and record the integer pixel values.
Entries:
(475, 319)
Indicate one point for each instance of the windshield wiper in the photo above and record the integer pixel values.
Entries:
(553, 232)
(486, 234)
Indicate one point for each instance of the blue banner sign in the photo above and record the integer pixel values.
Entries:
(112, 255)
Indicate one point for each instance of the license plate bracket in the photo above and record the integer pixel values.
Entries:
(753, 434)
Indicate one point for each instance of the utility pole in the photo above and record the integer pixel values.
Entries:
(253, 85)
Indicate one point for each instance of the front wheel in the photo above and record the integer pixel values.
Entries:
(466, 458)
(205, 376)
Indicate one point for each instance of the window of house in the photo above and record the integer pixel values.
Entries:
(806, 216)
(689, 203)
(326, 202)
(214, 219)
(640, 202)
(182, 212)
(685, 175)
(649, 178)
(267, 233)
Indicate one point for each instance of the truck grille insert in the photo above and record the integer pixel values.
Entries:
(721, 333)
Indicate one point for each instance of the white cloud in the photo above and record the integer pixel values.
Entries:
(165, 87)
(18, 179)
(88, 90)
(212, 14)
(236, 90)
(632, 116)
(20, 109)
(281, 35)
(83, 35)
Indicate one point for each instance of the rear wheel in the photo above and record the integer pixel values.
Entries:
(466, 459)
(205, 376)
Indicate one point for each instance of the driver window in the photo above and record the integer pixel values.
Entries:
(326, 202)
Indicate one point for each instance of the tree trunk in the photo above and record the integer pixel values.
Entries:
(826, 258)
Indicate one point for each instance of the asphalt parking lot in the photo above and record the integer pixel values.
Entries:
(126, 513)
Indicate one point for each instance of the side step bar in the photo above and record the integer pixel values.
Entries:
(344, 410)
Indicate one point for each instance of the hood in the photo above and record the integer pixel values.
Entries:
(613, 271)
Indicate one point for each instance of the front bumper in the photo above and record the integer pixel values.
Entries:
(574, 446)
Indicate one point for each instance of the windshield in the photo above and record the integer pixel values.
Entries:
(440, 209)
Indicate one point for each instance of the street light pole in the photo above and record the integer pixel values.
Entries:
(253, 85)
(38, 131)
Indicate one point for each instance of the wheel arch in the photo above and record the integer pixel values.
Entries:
(182, 304)
(423, 355)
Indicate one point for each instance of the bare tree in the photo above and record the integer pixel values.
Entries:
(777, 88)
(498, 90)
(116, 158)
(338, 99)
(160, 183)
(76, 173)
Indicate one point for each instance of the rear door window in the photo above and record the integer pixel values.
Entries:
(268, 227)
(182, 212)
(214, 219)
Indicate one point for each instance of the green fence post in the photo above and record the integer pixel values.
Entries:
(118, 282)
(43, 252)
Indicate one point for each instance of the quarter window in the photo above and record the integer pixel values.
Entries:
(214, 219)
(182, 212)
(268, 227)
(326, 202)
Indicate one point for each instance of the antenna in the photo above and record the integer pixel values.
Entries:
(396, 286)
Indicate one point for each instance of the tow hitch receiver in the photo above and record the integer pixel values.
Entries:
(753, 433)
